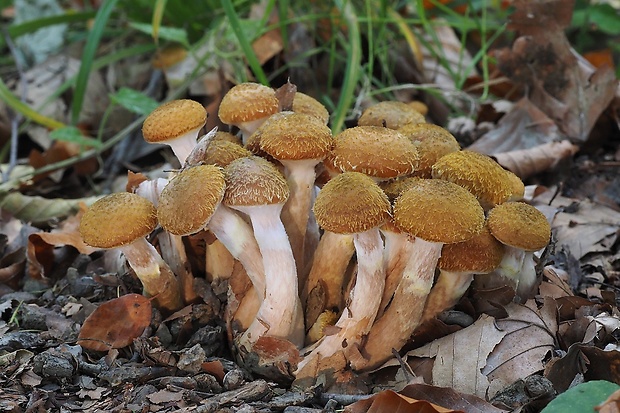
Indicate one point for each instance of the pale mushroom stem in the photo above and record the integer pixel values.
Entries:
(527, 281)
(157, 278)
(171, 246)
(300, 176)
(397, 249)
(249, 127)
(280, 313)
(184, 144)
(446, 293)
(219, 261)
(330, 263)
(237, 237)
(404, 313)
(511, 263)
(358, 317)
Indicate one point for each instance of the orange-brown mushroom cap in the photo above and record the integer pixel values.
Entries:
(303, 103)
(189, 200)
(247, 102)
(222, 152)
(432, 142)
(296, 136)
(254, 181)
(392, 114)
(519, 225)
(351, 202)
(478, 173)
(480, 254)
(438, 211)
(379, 152)
(173, 119)
(117, 219)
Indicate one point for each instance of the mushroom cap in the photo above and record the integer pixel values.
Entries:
(419, 106)
(226, 136)
(379, 152)
(438, 211)
(254, 181)
(221, 152)
(253, 141)
(350, 203)
(478, 173)
(519, 225)
(395, 187)
(432, 142)
(169, 56)
(518, 188)
(173, 119)
(189, 200)
(117, 219)
(480, 254)
(246, 102)
(392, 114)
(303, 103)
(296, 136)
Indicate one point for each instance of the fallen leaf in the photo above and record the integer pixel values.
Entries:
(39, 210)
(611, 405)
(116, 323)
(390, 401)
(460, 357)
(449, 398)
(529, 334)
(527, 162)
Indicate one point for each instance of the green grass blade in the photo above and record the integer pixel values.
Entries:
(18, 106)
(88, 56)
(244, 42)
(352, 70)
(158, 14)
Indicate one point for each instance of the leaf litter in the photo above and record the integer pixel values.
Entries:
(566, 335)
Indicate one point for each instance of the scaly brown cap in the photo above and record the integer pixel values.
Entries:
(432, 142)
(351, 202)
(391, 114)
(478, 173)
(296, 136)
(227, 136)
(395, 187)
(438, 211)
(222, 152)
(375, 151)
(519, 225)
(246, 102)
(173, 119)
(480, 254)
(189, 200)
(117, 219)
(303, 103)
(254, 181)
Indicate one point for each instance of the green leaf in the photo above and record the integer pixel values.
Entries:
(134, 101)
(172, 34)
(606, 18)
(74, 135)
(34, 25)
(582, 398)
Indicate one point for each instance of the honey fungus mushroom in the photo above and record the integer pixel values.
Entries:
(176, 124)
(122, 220)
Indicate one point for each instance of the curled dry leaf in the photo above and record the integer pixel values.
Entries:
(390, 401)
(611, 405)
(39, 210)
(116, 323)
(528, 162)
(40, 249)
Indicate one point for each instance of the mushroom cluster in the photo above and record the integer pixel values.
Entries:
(347, 242)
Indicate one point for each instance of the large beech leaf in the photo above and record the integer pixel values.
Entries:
(390, 401)
(116, 323)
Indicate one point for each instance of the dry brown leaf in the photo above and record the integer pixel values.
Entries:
(560, 82)
(460, 357)
(581, 226)
(116, 323)
(611, 405)
(527, 162)
(524, 126)
(390, 401)
(41, 245)
(60, 151)
(449, 398)
(529, 336)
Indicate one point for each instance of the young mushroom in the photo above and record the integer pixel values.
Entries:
(435, 212)
(299, 142)
(432, 142)
(176, 124)
(390, 114)
(352, 203)
(522, 229)
(247, 105)
(123, 220)
(256, 188)
(458, 263)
